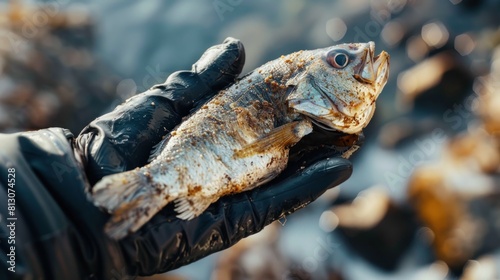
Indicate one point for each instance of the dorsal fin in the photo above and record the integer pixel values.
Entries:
(156, 150)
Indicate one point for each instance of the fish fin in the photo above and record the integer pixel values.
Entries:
(347, 154)
(301, 87)
(114, 190)
(281, 137)
(130, 199)
(294, 81)
(268, 178)
(158, 148)
(131, 216)
(188, 208)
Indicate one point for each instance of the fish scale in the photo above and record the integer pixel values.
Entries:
(241, 138)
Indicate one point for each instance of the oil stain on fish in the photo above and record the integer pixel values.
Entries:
(241, 138)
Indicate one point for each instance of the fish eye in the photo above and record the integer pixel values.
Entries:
(338, 60)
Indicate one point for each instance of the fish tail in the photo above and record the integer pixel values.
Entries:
(130, 199)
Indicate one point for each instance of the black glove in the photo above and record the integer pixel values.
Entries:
(66, 231)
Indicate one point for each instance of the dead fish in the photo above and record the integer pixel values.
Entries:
(240, 139)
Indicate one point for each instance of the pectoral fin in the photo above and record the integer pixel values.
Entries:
(281, 137)
(294, 81)
(188, 208)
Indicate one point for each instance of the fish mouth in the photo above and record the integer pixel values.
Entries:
(372, 69)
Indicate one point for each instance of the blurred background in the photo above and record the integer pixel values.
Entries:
(423, 201)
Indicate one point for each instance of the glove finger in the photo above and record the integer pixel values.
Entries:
(317, 146)
(227, 221)
(271, 202)
(220, 65)
(123, 139)
(217, 68)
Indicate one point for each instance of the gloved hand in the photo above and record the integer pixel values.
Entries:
(121, 140)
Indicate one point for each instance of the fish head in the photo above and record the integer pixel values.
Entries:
(339, 86)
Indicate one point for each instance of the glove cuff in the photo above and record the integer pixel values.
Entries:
(59, 232)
